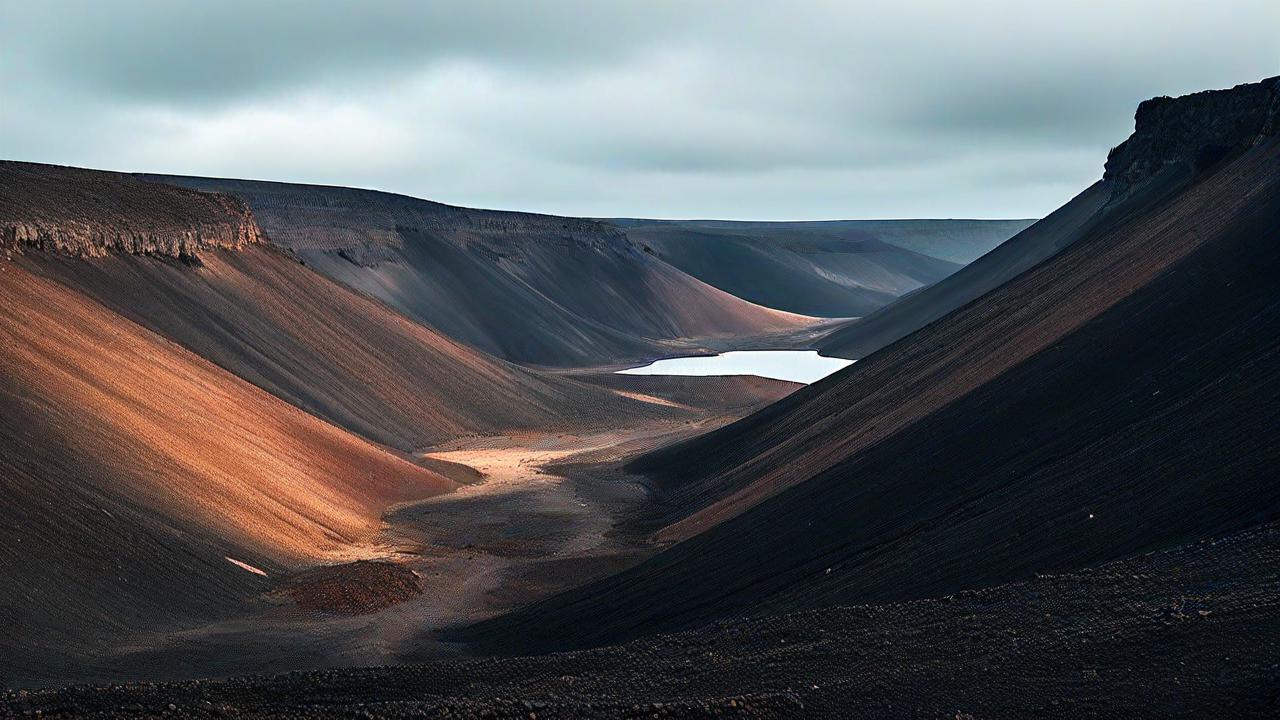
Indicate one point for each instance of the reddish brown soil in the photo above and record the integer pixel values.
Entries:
(358, 588)
(132, 469)
(1057, 501)
(182, 435)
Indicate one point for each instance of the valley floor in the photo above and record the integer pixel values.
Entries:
(519, 529)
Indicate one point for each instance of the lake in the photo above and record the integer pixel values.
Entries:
(803, 366)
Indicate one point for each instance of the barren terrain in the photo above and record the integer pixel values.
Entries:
(379, 446)
(1069, 645)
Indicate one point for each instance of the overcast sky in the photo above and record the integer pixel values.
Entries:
(652, 109)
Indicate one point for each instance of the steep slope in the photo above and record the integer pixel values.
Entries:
(1136, 374)
(829, 269)
(534, 289)
(333, 352)
(132, 470)
(306, 339)
(1173, 156)
(183, 410)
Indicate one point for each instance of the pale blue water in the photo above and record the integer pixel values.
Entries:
(804, 366)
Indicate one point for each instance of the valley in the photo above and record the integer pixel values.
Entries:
(290, 450)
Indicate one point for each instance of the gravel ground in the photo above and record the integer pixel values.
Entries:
(1189, 632)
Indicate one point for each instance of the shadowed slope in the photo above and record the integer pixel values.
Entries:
(829, 269)
(1018, 254)
(535, 289)
(152, 490)
(1163, 151)
(1123, 396)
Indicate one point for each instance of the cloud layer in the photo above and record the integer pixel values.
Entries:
(659, 109)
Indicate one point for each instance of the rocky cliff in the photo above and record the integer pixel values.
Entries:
(1194, 131)
(89, 213)
(1175, 141)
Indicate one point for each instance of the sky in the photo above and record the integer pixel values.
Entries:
(735, 110)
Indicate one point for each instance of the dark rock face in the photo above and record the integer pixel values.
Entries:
(88, 213)
(1175, 140)
(1195, 131)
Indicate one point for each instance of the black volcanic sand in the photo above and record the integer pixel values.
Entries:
(1174, 139)
(1122, 397)
(334, 353)
(1023, 251)
(117, 573)
(1189, 632)
(1057, 500)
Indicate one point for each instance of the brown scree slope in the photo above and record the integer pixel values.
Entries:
(130, 467)
(311, 341)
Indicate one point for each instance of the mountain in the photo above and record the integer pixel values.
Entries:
(182, 401)
(141, 482)
(1092, 210)
(534, 289)
(842, 268)
(1120, 397)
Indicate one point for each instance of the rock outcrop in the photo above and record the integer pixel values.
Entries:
(1194, 131)
(1175, 142)
(89, 213)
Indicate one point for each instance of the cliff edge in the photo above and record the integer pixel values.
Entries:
(1194, 132)
(89, 213)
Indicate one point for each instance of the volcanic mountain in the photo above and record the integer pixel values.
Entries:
(133, 470)
(1048, 491)
(185, 405)
(534, 289)
(840, 268)
(1119, 397)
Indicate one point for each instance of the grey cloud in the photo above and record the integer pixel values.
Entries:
(733, 109)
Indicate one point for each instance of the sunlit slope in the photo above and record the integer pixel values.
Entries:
(130, 467)
(332, 351)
